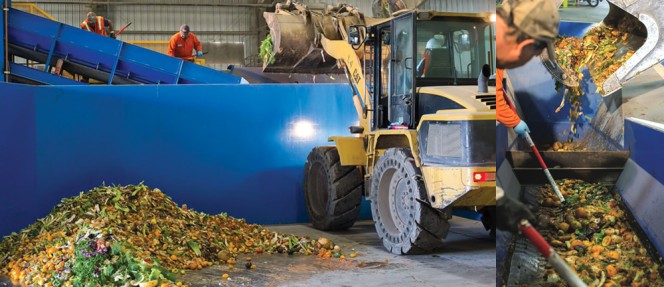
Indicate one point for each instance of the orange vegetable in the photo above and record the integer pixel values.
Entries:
(612, 255)
(575, 243)
(611, 271)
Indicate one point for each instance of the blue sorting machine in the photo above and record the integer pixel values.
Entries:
(622, 153)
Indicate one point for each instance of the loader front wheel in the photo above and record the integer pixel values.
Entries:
(404, 220)
(332, 192)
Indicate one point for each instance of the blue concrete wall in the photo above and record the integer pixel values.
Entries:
(645, 146)
(217, 148)
(642, 182)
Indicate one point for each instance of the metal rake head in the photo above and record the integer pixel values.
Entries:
(557, 73)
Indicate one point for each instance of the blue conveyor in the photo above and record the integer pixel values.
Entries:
(88, 54)
(603, 130)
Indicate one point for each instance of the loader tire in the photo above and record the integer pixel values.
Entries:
(332, 192)
(489, 220)
(404, 219)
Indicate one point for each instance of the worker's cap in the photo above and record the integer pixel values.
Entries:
(184, 28)
(536, 18)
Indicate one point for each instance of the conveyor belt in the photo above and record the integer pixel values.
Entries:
(524, 265)
(93, 56)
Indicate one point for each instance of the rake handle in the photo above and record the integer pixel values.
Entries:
(122, 30)
(544, 167)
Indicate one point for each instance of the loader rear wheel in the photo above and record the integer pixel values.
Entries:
(332, 192)
(404, 219)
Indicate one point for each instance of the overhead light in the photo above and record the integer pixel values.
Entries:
(303, 129)
(493, 17)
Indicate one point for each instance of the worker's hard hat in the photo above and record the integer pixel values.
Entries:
(537, 18)
(92, 17)
(436, 42)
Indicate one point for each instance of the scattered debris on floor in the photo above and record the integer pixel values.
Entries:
(137, 236)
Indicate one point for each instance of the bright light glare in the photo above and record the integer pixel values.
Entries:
(493, 17)
(303, 130)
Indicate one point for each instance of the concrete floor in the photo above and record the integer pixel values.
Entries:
(468, 259)
(584, 13)
(643, 96)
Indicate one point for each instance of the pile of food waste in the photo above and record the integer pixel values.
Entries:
(565, 146)
(602, 50)
(135, 236)
(591, 233)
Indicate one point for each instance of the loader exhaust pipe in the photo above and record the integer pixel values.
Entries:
(483, 79)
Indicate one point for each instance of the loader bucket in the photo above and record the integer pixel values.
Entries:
(295, 47)
(296, 39)
(642, 20)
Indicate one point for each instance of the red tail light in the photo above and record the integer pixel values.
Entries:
(484, 176)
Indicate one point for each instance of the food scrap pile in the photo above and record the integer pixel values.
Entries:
(134, 236)
(602, 50)
(591, 234)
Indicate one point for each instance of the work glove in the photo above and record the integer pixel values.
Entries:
(510, 212)
(521, 129)
(112, 35)
(199, 54)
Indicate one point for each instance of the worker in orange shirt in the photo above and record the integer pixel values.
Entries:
(185, 45)
(524, 29)
(98, 24)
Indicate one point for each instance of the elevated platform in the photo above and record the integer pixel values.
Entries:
(93, 56)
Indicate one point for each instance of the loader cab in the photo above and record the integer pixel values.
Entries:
(420, 49)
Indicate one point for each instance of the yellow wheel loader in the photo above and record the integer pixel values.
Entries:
(425, 143)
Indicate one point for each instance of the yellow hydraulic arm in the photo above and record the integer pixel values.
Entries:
(344, 52)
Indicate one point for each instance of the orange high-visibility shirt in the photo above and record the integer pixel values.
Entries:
(182, 48)
(99, 27)
(504, 113)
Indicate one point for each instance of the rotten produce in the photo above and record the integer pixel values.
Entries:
(134, 236)
(591, 233)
